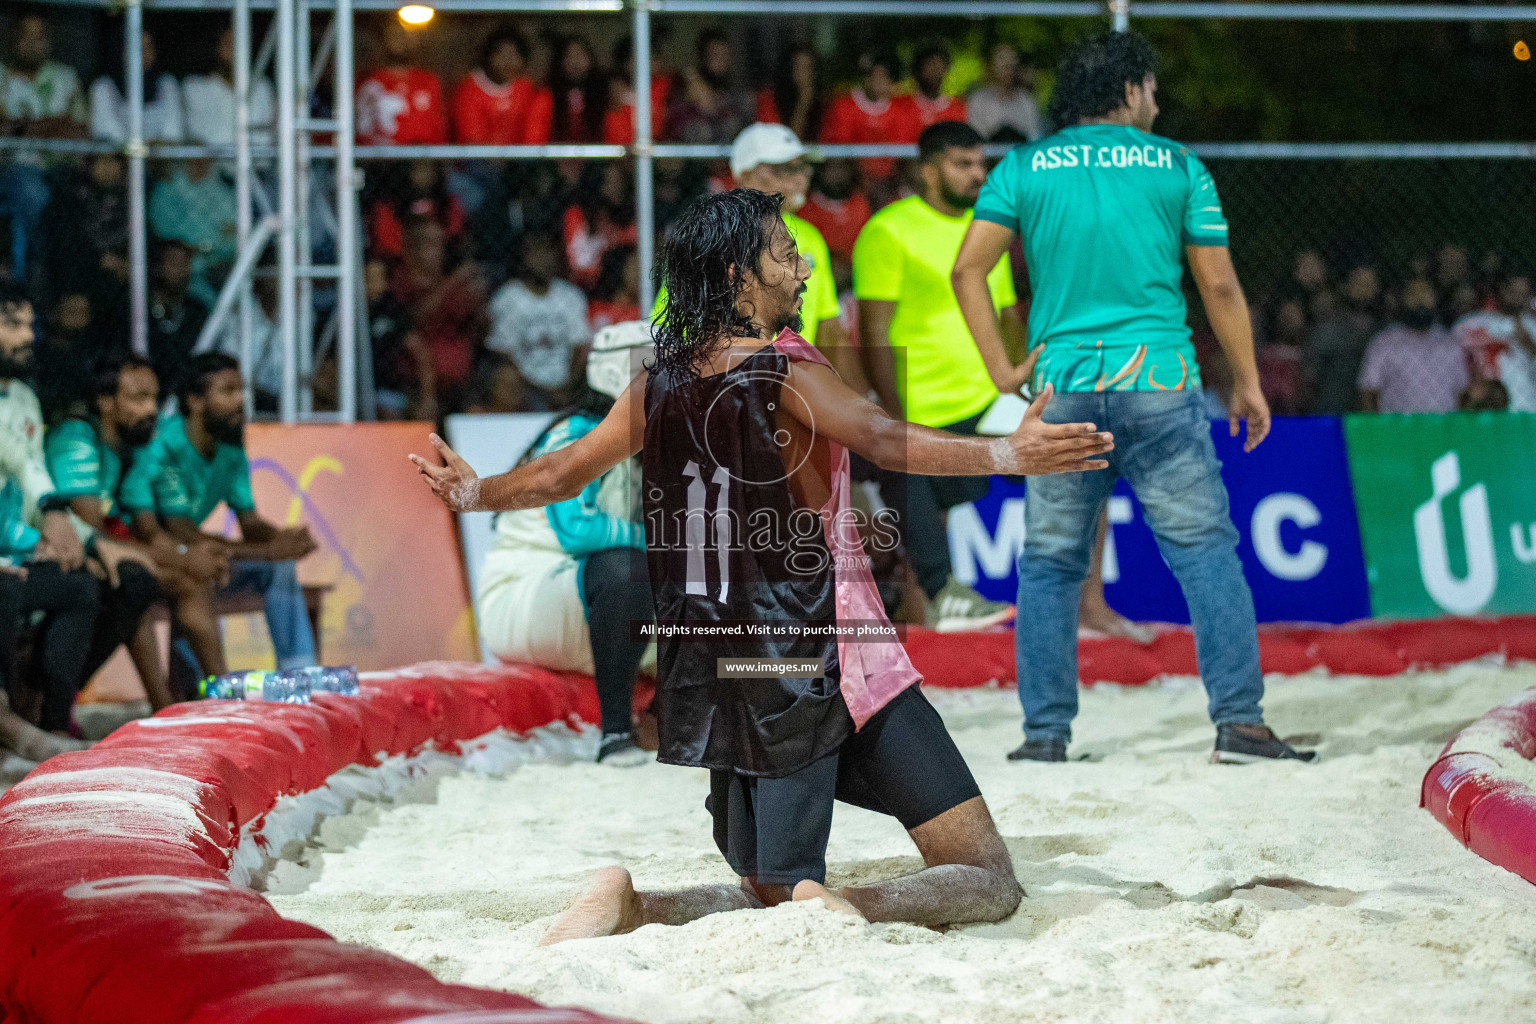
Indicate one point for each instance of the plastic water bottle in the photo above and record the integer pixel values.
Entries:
(277, 687)
(338, 679)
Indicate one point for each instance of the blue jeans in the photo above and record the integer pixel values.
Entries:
(287, 619)
(1163, 449)
(23, 195)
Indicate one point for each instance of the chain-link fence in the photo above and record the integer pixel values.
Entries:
(1372, 279)
(447, 244)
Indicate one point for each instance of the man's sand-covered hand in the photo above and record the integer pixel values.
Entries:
(1037, 448)
(454, 482)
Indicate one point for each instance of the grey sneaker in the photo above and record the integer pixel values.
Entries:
(1051, 748)
(1237, 743)
(957, 608)
(618, 750)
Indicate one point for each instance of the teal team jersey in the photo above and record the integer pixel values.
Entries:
(172, 479)
(1104, 212)
(82, 464)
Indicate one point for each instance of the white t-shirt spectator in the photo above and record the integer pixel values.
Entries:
(1490, 339)
(990, 110)
(1414, 371)
(53, 92)
(163, 121)
(210, 104)
(539, 332)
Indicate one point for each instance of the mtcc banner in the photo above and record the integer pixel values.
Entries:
(1290, 500)
(1447, 510)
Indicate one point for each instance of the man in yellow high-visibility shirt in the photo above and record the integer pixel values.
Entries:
(922, 362)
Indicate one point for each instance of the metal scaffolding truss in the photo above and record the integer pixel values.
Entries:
(302, 191)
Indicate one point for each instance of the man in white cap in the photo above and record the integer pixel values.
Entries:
(553, 570)
(772, 159)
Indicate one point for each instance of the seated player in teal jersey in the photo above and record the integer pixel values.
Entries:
(86, 456)
(197, 462)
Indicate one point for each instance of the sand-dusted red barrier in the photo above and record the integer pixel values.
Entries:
(1481, 786)
(118, 905)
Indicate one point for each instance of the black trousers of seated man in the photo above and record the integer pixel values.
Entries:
(84, 621)
(919, 503)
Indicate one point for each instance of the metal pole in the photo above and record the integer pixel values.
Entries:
(235, 285)
(287, 298)
(368, 405)
(346, 220)
(138, 231)
(242, 69)
(645, 209)
(322, 54)
(1120, 14)
(303, 240)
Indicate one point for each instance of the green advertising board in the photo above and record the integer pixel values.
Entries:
(1447, 508)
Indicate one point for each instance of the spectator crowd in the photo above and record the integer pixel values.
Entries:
(104, 515)
(1447, 333)
(486, 279)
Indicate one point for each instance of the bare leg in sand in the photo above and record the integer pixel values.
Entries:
(610, 905)
(969, 878)
(28, 741)
(1093, 612)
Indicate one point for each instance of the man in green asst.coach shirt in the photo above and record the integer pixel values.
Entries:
(1107, 213)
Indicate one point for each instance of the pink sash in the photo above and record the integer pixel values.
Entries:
(873, 672)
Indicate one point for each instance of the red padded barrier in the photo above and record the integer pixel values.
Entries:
(1488, 807)
(1372, 649)
(337, 999)
(1517, 637)
(1439, 641)
(115, 902)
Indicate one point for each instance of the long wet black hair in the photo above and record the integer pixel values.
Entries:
(712, 243)
(1091, 78)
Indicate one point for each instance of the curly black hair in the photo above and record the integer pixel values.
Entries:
(1091, 78)
(710, 242)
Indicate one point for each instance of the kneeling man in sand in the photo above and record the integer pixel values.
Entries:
(777, 669)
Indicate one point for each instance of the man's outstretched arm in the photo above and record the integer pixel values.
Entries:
(558, 476)
(830, 409)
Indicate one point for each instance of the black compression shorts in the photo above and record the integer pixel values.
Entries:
(902, 763)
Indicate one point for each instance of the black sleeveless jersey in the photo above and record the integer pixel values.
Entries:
(742, 569)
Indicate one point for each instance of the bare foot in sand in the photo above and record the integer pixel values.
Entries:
(608, 906)
(1101, 618)
(809, 890)
(30, 742)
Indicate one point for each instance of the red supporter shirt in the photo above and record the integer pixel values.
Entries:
(768, 107)
(388, 232)
(927, 111)
(619, 121)
(838, 221)
(855, 119)
(487, 114)
(602, 313)
(401, 107)
(586, 243)
(449, 316)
